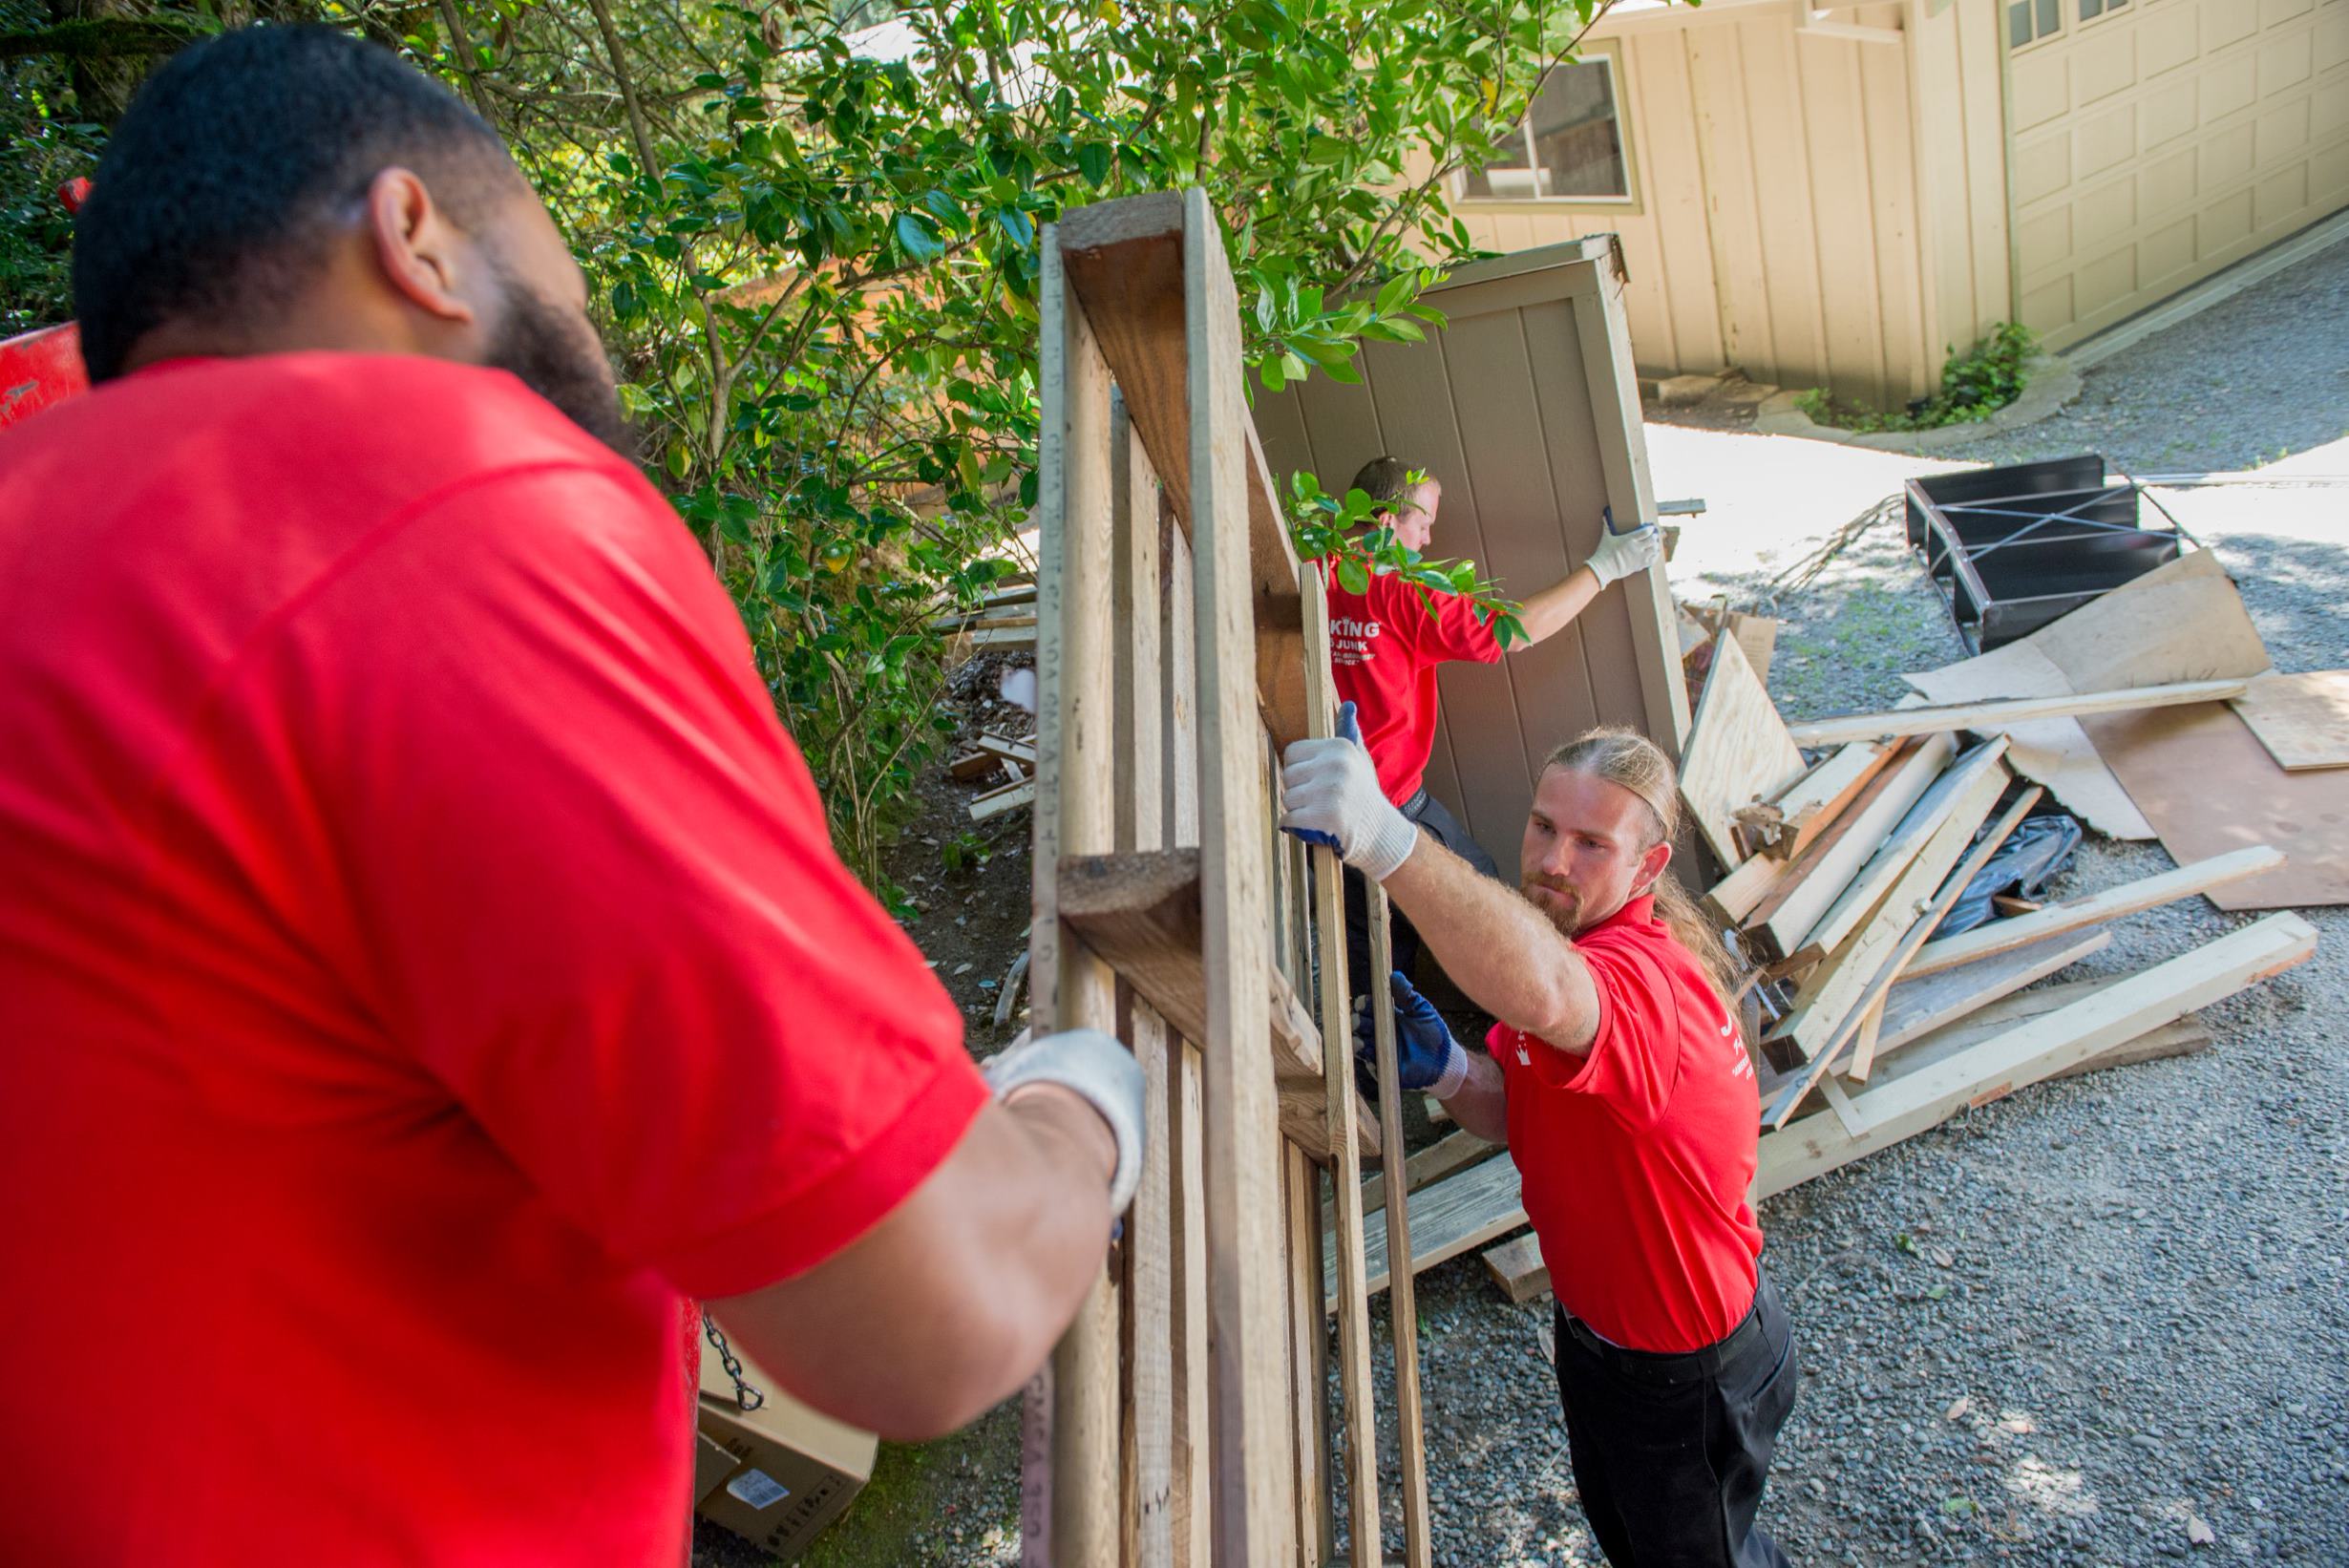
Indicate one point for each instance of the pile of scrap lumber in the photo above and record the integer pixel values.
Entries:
(1867, 1024)
(1010, 762)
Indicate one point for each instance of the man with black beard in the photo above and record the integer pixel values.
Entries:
(423, 965)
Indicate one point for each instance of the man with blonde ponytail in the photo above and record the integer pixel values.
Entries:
(1618, 1079)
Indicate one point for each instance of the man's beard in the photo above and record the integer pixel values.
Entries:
(1567, 916)
(556, 356)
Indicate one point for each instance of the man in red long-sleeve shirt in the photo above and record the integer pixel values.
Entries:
(1386, 645)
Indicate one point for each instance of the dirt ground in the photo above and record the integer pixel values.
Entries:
(2142, 1335)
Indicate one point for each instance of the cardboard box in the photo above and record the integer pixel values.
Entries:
(786, 1472)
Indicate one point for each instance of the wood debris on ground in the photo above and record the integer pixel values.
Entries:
(1841, 843)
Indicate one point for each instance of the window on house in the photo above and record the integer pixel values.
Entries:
(2091, 9)
(2027, 21)
(1568, 148)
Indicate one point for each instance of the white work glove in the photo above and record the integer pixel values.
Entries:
(1331, 791)
(1620, 555)
(1094, 1066)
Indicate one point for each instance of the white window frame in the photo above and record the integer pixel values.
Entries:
(2067, 18)
(1630, 199)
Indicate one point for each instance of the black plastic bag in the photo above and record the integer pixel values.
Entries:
(2024, 865)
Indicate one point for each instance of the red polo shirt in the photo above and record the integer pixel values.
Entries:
(1636, 1159)
(1384, 650)
(422, 965)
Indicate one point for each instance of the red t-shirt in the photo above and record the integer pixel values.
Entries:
(422, 965)
(1637, 1157)
(1383, 648)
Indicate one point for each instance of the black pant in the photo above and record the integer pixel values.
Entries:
(1445, 829)
(1670, 1452)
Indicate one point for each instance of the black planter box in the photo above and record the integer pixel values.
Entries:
(2013, 549)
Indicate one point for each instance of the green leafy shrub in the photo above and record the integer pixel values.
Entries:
(1974, 386)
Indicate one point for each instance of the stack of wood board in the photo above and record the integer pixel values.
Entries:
(1839, 869)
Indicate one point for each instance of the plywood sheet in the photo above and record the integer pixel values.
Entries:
(2302, 720)
(1738, 749)
(2181, 622)
(2207, 786)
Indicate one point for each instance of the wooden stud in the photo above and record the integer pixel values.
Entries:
(2004, 935)
(1807, 807)
(1070, 1513)
(1931, 841)
(1402, 1308)
(1191, 1506)
(1932, 719)
(1911, 937)
(1784, 923)
(1146, 1468)
(2038, 1049)
(1348, 1194)
(1253, 1486)
(1915, 1008)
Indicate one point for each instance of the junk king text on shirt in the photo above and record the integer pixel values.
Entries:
(1349, 640)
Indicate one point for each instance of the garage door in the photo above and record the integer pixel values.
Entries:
(2154, 142)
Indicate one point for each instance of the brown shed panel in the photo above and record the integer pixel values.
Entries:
(1525, 407)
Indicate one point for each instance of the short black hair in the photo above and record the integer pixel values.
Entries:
(1386, 480)
(218, 193)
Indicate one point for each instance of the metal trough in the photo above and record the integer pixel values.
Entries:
(2011, 549)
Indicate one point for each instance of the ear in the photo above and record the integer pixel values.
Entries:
(1652, 864)
(424, 257)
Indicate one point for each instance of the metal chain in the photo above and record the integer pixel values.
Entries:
(746, 1397)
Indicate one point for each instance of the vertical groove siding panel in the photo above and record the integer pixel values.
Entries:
(1887, 119)
(1983, 54)
(1732, 186)
(1790, 256)
(1843, 213)
(1672, 184)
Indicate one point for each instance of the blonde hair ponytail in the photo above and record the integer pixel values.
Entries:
(1628, 759)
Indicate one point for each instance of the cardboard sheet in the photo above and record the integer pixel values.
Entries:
(2182, 622)
(2207, 786)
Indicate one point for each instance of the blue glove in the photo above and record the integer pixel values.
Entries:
(1425, 1054)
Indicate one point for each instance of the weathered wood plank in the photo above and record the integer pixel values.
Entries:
(1784, 923)
(2128, 899)
(1403, 1314)
(1927, 719)
(1127, 263)
(1348, 1204)
(1253, 1503)
(1929, 843)
(1915, 1008)
(1900, 1108)
(1147, 1465)
(1071, 1514)
(1738, 749)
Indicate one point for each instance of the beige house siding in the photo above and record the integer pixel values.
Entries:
(1774, 222)
(2156, 144)
(1955, 64)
